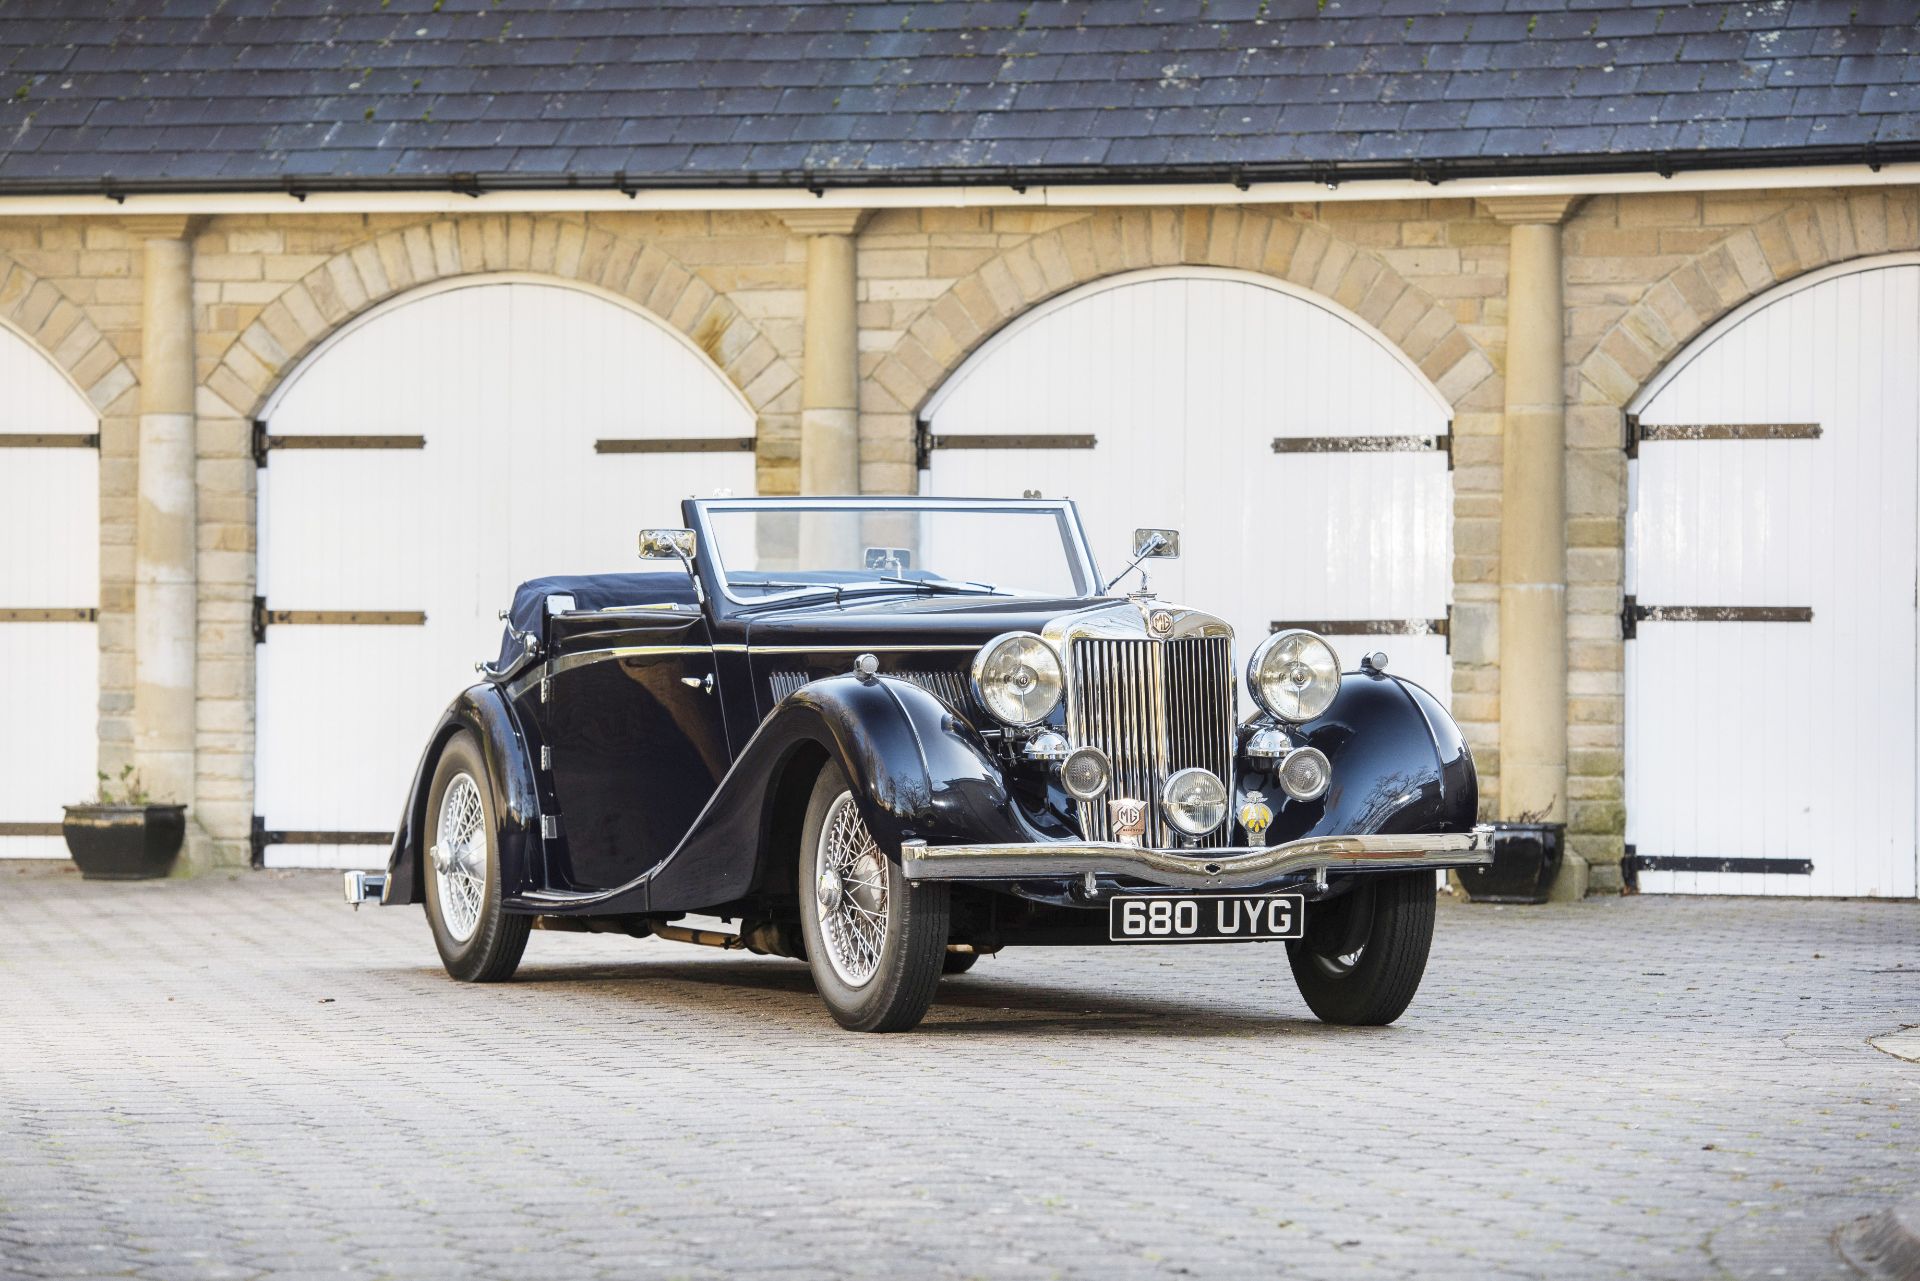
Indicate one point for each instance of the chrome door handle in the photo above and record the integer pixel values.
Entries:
(699, 682)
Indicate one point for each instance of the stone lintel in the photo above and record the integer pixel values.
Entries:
(1525, 209)
(832, 221)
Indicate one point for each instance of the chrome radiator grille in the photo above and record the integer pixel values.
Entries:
(1154, 707)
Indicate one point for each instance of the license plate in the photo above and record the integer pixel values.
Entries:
(1205, 918)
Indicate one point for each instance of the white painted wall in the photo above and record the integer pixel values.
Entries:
(1186, 376)
(49, 558)
(511, 382)
(1783, 740)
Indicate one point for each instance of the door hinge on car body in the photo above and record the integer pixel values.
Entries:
(549, 827)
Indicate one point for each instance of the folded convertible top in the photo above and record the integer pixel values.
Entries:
(589, 591)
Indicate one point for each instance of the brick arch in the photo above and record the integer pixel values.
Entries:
(38, 311)
(1109, 242)
(361, 277)
(1806, 235)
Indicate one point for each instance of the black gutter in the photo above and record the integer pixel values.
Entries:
(1329, 174)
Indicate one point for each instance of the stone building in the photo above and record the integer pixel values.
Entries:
(1566, 356)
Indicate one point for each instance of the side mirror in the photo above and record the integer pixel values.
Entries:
(1156, 544)
(666, 544)
(672, 544)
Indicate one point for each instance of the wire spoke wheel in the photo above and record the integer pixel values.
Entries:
(875, 941)
(460, 857)
(850, 894)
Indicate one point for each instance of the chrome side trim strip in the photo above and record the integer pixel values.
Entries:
(567, 662)
(734, 648)
(1210, 869)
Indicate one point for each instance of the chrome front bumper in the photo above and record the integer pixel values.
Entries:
(1208, 869)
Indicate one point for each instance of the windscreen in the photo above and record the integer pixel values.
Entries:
(771, 550)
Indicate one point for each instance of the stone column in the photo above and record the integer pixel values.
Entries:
(830, 373)
(166, 585)
(829, 381)
(1533, 522)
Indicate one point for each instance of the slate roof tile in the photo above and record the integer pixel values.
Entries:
(546, 91)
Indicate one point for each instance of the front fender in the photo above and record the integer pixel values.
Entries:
(1400, 765)
(917, 772)
(484, 712)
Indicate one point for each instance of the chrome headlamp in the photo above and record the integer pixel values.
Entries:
(1017, 678)
(1194, 801)
(1294, 675)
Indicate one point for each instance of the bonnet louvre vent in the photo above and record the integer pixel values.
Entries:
(949, 687)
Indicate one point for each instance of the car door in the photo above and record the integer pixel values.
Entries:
(636, 744)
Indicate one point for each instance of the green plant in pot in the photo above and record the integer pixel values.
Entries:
(123, 834)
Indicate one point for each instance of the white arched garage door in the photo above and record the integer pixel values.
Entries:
(448, 446)
(49, 598)
(1302, 457)
(1771, 596)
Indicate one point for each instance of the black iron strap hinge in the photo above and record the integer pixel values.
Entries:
(1635, 863)
(264, 443)
(263, 836)
(1442, 444)
(1636, 432)
(675, 445)
(49, 440)
(264, 618)
(1633, 613)
(928, 442)
(1442, 627)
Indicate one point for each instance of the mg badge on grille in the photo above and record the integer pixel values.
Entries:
(1160, 623)
(1129, 819)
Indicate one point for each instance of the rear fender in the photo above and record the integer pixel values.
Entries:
(484, 712)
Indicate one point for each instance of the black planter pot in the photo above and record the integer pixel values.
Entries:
(1526, 859)
(124, 842)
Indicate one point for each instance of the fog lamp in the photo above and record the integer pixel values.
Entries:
(1194, 801)
(1085, 773)
(1305, 774)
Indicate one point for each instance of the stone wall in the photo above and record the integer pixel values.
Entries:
(1644, 274)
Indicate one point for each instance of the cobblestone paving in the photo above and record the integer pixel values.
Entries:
(239, 1076)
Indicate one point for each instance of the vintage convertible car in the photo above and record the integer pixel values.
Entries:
(890, 735)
